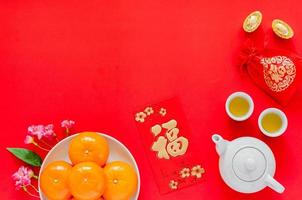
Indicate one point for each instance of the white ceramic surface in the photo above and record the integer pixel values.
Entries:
(245, 96)
(246, 164)
(117, 152)
(280, 114)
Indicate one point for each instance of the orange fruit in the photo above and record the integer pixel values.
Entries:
(87, 181)
(54, 180)
(121, 181)
(89, 146)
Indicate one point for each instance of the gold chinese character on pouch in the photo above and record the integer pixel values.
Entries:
(177, 146)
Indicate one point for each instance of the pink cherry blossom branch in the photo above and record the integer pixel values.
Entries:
(67, 124)
(22, 179)
(46, 143)
(32, 186)
(29, 193)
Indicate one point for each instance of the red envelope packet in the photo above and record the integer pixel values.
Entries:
(167, 140)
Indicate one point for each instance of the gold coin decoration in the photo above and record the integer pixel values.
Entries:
(252, 21)
(282, 29)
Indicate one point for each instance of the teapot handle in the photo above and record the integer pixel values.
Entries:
(273, 184)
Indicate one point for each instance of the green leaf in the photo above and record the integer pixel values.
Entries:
(27, 156)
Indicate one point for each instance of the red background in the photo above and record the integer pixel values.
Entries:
(97, 61)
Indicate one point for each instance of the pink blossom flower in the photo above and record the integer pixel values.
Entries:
(41, 131)
(22, 177)
(28, 139)
(67, 124)
(36, 130)
(48, 131)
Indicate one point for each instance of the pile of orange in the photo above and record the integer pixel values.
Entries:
(89, 177)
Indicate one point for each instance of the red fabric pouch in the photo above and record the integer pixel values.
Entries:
(276, 71)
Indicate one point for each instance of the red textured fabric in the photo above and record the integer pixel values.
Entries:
(275, 71)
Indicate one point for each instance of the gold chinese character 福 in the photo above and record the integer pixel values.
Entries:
(177, 146)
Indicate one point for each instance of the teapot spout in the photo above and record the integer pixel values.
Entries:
(273, 184)
(221, 144)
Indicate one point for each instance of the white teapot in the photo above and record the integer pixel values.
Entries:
(246, 164)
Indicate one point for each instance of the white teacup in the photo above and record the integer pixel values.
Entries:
(244, 96)
(282, 118)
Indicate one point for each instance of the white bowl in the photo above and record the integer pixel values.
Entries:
(117, 152)
(278, 112)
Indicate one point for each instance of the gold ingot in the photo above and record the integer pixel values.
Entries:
(282, 29)
(252, 21)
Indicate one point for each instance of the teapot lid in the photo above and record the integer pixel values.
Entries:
(249, 164)
(246, 163)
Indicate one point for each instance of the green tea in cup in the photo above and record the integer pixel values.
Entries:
(272, 122)
(239, 106)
